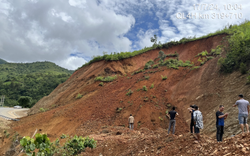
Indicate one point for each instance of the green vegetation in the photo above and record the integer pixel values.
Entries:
(25, 101)
(3, 61)
(148, 64)
(160, 118)
(41, 145)
(130, 92)
(123, 55)
(42, 110)
(139, 71)
(147, 77)
(175, 64)
(101, 84)
(173, 55)
(79, 96)
(34, 80)
(6, 134)
(152, 86)
(243, 68)
(164, 77)
(144, 88)
(195, 67)
(63, 136)
(203, 53)
(248, 79)
(238, 50)
(162, 55)
(105, 79)
(155, 66)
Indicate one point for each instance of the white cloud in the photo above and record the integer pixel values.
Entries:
(35, 30)
(71, 63)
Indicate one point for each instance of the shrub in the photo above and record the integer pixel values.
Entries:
(162, 55)
(155, 66)
(173, 55)
(77, 144)
(164, 77)
(243, 68)
(101, 84)
(63, 136)
(152, 86)
(106, 79)
(79, 96)
(146, 77)
(248, 80)
(42, 110)
(147, 66)
(203, 53)
(195, 67)
(144, 88)
(130, 92)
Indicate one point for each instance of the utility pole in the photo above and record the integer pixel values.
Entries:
(2, 100)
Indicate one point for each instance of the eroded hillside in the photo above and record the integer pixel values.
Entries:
(108, 105)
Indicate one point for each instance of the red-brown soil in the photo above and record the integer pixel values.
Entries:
(205, 87)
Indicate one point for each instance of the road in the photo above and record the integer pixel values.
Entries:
(10, 112)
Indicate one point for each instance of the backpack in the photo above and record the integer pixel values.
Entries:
(199, 120)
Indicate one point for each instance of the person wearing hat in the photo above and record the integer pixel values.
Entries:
(243, 107)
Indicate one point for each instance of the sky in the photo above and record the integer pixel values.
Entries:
(70, 32)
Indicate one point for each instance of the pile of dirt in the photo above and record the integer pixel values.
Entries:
(121, 141)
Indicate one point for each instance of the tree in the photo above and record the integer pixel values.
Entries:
(154, 39)
(25, 101)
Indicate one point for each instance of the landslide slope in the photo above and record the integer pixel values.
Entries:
(108, 105)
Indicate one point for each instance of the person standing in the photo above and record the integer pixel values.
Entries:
(243, 107)
(220, 117)
(198, 120)
(131, 122)
(191, 110)
(171, 115)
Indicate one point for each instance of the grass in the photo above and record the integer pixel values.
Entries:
(164, 77)
(79, 96)
(147, 77)
(144, 88)
(101, 84)
(152, 86)
(130, 92)
(105, 79)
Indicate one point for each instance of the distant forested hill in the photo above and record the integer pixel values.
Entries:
(2, 61)
(34, 80)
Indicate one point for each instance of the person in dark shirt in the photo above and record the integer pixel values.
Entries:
(191, 110)
(171, 115)
(220, 117)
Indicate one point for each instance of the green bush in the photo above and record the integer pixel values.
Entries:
(106, 79)
(101, 84)
(76, 145)
(144, 88)
(203, 53)
(79, 96)
(41, 145)
(63, 136)
(248, 80)
(147, 77)
(164, 77)
(195, 67)
(42, 110)
(162, 55)
(130, 92)
(152, 86)
(155, 66)
(173, 55)
(243, 68)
